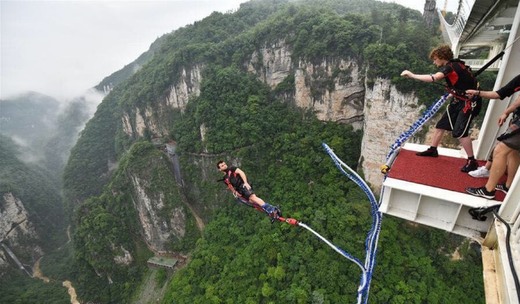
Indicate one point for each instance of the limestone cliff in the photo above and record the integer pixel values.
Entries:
(387, 114)
(334, 88)
(159, 227)
(18, 233)
(153, 119)
(342, 101)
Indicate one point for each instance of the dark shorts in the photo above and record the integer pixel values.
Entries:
(245, 193)
(456, 121)
(513, 139)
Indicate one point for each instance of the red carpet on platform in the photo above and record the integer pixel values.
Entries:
(440, 172)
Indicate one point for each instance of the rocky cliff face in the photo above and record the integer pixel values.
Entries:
(334, 88)
(159, 228)
(381, 111)
(187, 86)
(136, 121)
(388, 113)
(17, 232)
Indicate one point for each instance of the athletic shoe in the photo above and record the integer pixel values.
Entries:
(470, 165)
(482, 192)
(432, 152)
(480, 172)
(272, 211)
(502, 187)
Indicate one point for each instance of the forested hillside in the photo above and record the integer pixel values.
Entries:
(39, 193)
(37, 133)
(127, 205)
(41, 227)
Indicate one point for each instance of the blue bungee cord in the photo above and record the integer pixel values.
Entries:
(394, 148)
(418, 124)
(373, 235)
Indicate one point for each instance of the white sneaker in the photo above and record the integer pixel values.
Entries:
(480, 172)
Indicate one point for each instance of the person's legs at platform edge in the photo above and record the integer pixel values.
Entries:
(432, 150)
(504, 158)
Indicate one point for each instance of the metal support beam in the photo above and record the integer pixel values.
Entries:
(510, 69)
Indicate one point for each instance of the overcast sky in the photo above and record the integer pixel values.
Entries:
(63, 48)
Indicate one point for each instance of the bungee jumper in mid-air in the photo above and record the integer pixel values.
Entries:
(236, 181)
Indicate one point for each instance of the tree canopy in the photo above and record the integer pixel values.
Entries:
(241, 258)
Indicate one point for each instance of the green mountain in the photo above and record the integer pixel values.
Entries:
(37, 133)
(39, 193)
(258, 88)
(32, 223)
(128, 70)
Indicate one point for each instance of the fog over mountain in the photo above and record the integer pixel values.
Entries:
(33, 120)
(132, 177)
(63, 48)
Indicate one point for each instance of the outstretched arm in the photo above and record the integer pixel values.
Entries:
(485, 94)
(423, 77)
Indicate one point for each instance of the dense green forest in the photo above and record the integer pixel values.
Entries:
(244, 259)
(18, 288)
(240, 257)
(36, 137)
(39, 193)
(40, 196)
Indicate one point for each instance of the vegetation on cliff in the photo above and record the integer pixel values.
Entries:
(241, 258)
(40, 197)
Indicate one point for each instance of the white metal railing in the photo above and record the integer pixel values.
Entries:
(455, 30)
(509, 291)
(476, 64)
(510, 213)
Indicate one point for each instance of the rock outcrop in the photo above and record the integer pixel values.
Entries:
(137, 121)
(337, 84)
(388, 113)
(17, 232)
(334, 89)
(159, 229)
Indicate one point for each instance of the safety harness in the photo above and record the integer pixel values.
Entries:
(227, 181)
(459, 67)
(275, 214)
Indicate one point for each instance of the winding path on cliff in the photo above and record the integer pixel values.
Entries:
(37, 273)
(200, 222)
